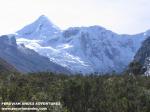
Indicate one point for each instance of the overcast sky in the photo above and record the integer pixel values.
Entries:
(121, 16)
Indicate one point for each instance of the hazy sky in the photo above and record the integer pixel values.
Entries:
(121, 16)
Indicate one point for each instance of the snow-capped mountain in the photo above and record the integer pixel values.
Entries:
(40, 29)
(24, 59)
(84, 49)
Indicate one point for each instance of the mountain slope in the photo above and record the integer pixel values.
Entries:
(5, 67)
(24, 59)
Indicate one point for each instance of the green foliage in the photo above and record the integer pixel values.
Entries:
(92, 93)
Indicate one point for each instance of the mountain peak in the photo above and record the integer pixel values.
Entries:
(43, 19)
(43, 16)
(41, 28)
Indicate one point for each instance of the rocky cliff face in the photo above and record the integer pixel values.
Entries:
(143, 56)
(143, 52)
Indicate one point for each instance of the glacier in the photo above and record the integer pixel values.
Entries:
(83, 50)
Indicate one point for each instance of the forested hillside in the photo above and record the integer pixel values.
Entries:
(93, 93)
